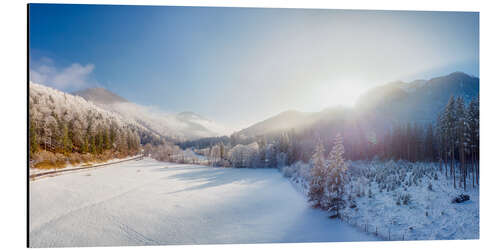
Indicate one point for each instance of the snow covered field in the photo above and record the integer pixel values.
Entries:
(154, 203)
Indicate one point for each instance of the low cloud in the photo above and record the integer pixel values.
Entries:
(70, 78)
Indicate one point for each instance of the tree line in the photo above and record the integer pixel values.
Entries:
(65, 137)
(452, 139)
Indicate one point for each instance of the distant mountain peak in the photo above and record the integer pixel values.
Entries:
(190, 115)
(459, 73)
(290, 112)
(100, 95)
(284, 120)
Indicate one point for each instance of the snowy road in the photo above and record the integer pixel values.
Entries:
(153, 203)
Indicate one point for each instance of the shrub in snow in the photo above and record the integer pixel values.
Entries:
(406, 199)
(315, 193)
(403, 199)
(334, 205)
(304, 170)
(44, 156)
(461, 198)
(288, 171)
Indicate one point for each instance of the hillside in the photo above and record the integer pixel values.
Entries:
(100, 96)
(64, 128)
(420, 100)
(177, 127)
(283, 121)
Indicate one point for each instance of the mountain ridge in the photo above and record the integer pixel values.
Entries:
(383, 105)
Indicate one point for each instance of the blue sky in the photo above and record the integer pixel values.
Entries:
(241, 65)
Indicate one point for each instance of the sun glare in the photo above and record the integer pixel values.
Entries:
(344, 93)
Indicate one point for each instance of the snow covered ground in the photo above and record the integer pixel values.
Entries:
(154, 203)
(429, 213)
(375, 205)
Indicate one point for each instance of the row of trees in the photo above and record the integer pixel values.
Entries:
(411, 142)
(458, 140)
(265, 152)
(60, 136)
(453, 140)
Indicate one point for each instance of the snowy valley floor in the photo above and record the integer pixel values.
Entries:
(153, 203)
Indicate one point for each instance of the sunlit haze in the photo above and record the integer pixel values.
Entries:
(240, 66)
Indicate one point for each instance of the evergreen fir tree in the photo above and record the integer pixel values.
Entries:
(335, 175)
(317, 183)
(33, 139)
(107, 140)
(85, 145)
(67, 144)
(461, 138)
(450, 130)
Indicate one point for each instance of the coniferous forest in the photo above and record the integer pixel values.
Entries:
(67, 129)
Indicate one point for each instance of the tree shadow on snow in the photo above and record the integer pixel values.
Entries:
(212, 177)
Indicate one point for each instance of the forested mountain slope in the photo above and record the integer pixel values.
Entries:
(61, 124)
(418, 101)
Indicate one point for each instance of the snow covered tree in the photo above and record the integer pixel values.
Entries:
(237, 156)
(281, 159)
(336, 178)
(33, 138)
(472, 121)
(461, 138)
(214, 155)
(270, 156)
(67, 145)
(450, 120)
(442, 142)
(317, 183)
